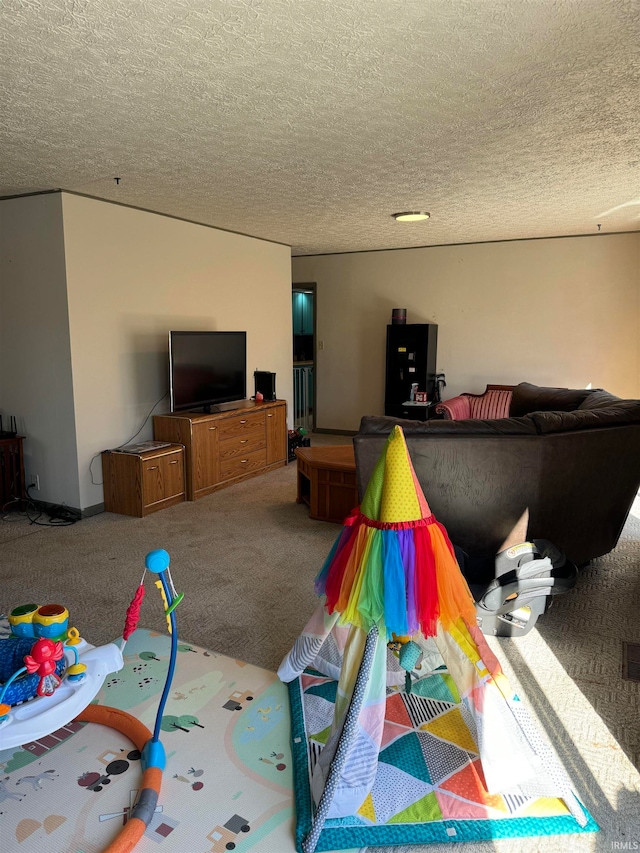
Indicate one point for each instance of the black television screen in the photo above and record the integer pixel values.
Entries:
(206, 368)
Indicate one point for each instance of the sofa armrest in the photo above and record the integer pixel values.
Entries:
(455, 409)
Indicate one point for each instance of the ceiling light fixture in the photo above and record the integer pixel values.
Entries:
(411, 216)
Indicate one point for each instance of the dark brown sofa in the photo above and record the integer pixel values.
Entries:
(569, 457)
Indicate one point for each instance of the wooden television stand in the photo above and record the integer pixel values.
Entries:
(228, 446)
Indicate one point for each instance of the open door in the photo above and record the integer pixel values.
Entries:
(304, 355)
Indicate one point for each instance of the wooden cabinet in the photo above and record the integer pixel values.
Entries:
(141, 483)
(203, 452)
(11, 468)
(276, 435)
(227, 447)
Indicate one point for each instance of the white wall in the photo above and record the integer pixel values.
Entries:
(131, 277)
(560, 312)
(35, 358)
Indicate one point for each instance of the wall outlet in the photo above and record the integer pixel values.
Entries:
(320, 344)
(35, 482)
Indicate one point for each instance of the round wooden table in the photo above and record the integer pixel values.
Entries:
(327, 481)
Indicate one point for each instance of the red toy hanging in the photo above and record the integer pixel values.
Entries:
(133, 613)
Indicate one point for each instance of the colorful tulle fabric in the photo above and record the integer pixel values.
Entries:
(394, 566)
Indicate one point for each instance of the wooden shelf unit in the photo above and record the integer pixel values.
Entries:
(227, 447)
(142, 483)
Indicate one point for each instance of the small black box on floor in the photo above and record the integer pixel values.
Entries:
(296, 440)
(265, 383)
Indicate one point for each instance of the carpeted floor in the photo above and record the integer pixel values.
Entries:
(246, 557)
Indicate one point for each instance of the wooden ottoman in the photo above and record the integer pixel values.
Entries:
(327, 481)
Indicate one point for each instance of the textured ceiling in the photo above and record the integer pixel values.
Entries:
(309, 122)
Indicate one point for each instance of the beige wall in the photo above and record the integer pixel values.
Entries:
(554, 312)
(35, 359)
(132, 276)
(88, 293)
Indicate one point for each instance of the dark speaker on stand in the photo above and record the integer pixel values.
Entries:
(265, 384)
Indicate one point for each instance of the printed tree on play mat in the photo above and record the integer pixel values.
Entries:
(171, 723)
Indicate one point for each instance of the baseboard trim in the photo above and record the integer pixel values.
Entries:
(323, 431)
(96, 509)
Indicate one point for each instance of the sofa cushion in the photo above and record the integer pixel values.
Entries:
(598, 399)
(621, 413)
(496, 426)
(529, 398)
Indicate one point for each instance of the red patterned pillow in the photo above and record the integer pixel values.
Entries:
(491, 404)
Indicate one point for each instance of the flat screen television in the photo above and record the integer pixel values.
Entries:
(206, 369)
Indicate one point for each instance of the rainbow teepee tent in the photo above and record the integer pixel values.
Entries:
(404, 729)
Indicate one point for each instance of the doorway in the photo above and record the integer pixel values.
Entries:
(303, 307)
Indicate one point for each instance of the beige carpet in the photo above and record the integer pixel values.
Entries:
(246, 557)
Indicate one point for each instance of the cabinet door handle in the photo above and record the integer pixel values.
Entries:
(270, 415)
(152, 468)
(243, 422)
(243, 461)
(173, 462)
(244, 441)
(212, 428)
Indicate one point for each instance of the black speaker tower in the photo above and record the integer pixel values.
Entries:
(411, 359)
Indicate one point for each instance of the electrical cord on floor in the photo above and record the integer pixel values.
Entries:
(16, 503)
(59, 515)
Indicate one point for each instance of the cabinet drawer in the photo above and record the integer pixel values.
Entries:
(242, 464)
(244, 426)
(241, 445)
